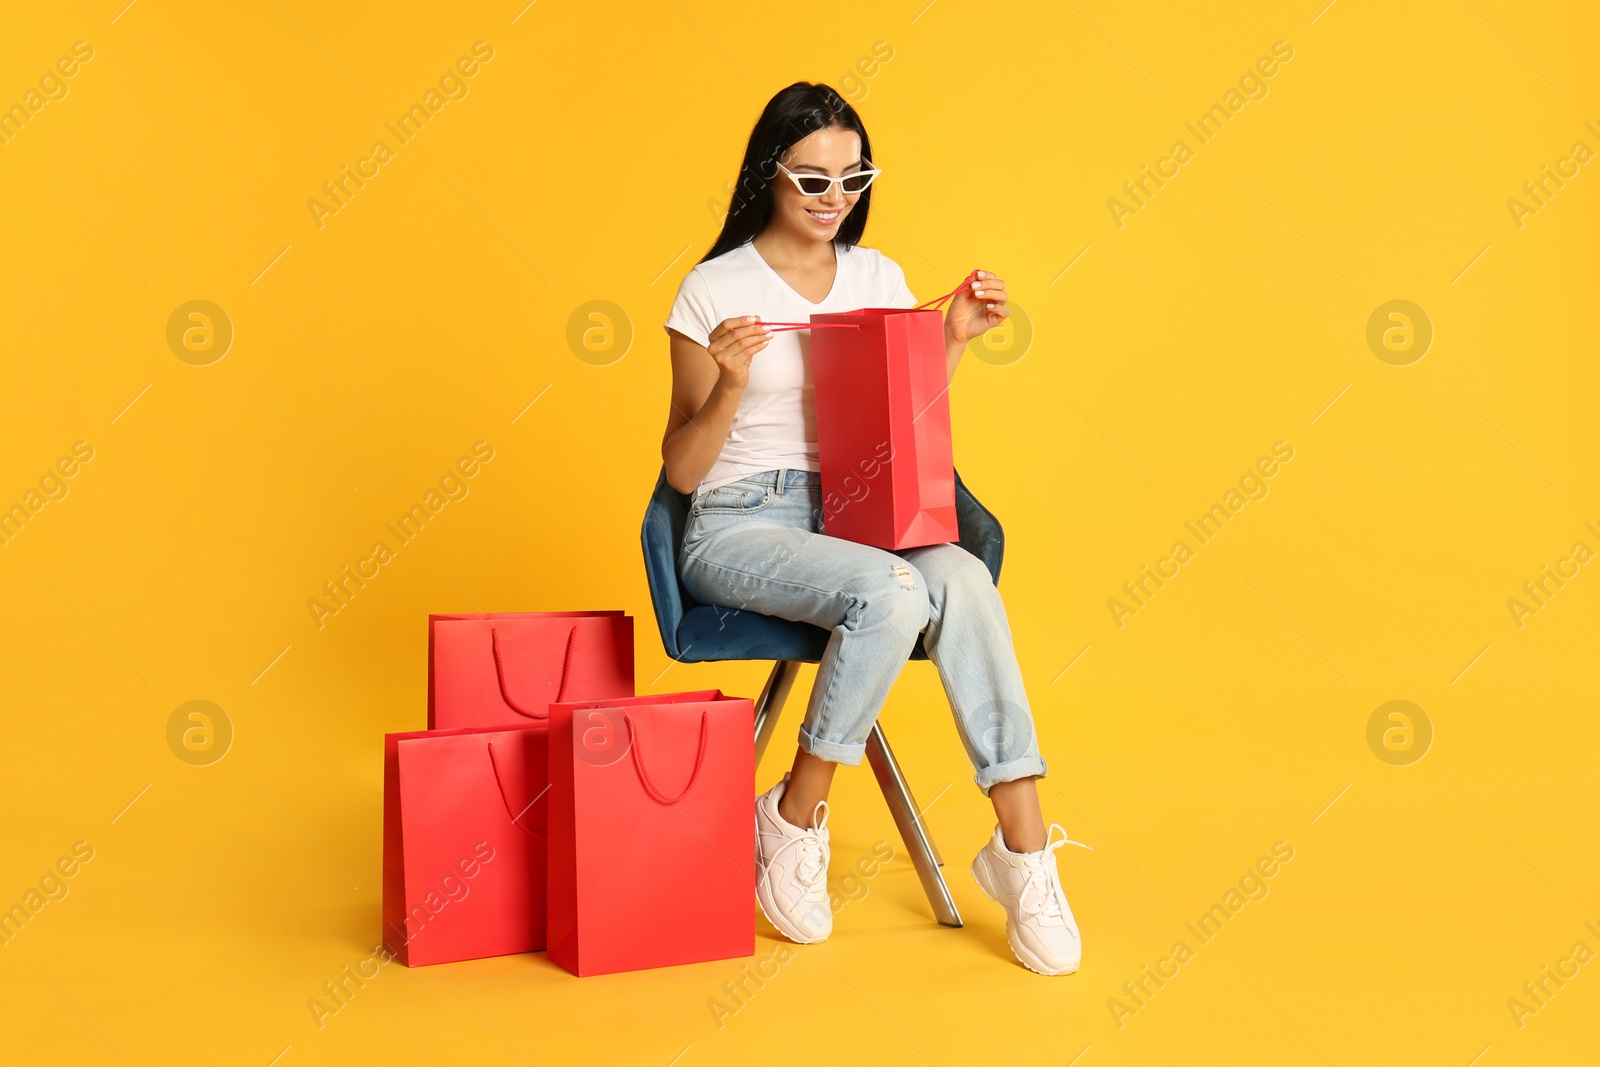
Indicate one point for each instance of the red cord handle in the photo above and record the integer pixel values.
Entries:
(644, 776)
(931, 305)
(506, 800)
(500, 674)
(779, 327)
(968, 280)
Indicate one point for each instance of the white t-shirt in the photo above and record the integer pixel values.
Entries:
(775, 425)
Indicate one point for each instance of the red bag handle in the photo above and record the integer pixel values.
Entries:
(500, 674)
(968, 280)
(779, 327)
(932, 305)
(506, 800)
(644, 776)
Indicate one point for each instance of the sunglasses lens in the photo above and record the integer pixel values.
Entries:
(814, 186)
(854, 183)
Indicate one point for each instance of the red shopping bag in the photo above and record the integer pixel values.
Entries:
(883, 425)
(464, 823)
(652, 816)
(504, 669)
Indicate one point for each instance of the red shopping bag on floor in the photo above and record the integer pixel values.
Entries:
(652, 817)
(464, 817)
(883, 425)
(504, 669)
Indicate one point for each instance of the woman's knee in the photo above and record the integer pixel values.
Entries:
(962, 577)
(898, 597)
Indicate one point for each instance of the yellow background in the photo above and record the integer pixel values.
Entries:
(585, 164)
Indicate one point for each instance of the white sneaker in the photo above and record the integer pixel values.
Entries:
(1039, 924)
(792, 870)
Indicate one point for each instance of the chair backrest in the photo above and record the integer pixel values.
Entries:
(662, 533)
(668, 512)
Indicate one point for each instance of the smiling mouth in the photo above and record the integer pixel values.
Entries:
(826, 218)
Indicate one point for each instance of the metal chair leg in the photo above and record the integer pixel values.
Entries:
(906, 820)
(770, 703)
(911, 801)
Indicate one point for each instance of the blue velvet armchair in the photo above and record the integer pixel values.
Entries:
(699, 633)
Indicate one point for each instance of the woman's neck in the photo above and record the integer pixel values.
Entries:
(783, 249)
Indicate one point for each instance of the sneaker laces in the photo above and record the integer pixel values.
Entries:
(1043, 894)
(812, 869)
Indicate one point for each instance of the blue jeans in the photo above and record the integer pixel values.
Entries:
(757, 545)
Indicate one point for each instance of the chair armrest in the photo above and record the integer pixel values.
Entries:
(981, 533)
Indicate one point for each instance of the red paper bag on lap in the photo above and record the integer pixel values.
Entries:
(505, 668)
(883, 426)
(464, 824)
(652, 811)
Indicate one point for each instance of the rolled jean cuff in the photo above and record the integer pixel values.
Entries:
(833, 751)
(1026, 767)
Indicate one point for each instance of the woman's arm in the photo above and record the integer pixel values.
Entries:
(707, 384)
(952, 355)
(975, 310)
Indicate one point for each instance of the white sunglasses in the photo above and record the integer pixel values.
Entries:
(819, 184)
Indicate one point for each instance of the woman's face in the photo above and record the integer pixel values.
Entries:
(832, 152)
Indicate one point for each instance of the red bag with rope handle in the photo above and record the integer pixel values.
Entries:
(464, 828)
(883, 424)
(651, 813)
(505, 668)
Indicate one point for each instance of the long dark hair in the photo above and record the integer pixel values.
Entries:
(795, 113)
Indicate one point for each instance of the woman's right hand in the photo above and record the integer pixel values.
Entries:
(734, 343)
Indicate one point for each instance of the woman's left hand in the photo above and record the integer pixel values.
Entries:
(980, 306)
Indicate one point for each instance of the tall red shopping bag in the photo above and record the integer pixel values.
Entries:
(652, 828)
(464, 825)
(502, 669)
(883, 425)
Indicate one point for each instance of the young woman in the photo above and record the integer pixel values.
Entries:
(741, 437)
